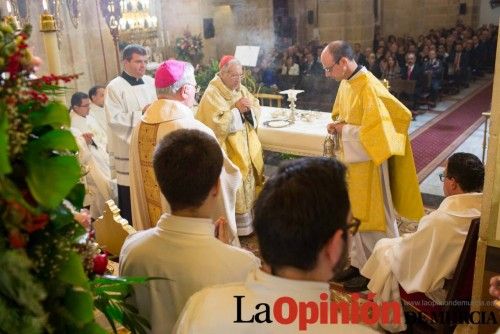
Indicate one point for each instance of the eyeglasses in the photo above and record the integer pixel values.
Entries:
(442, 176)
(84, 106)
(330, 68)
(353, 226)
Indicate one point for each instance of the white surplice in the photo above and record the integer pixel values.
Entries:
(98, 184)
(173, 115)
(363, 242)
(185, 252)
(421, 261)
(123, 105)
(214, 309)
(99, 115)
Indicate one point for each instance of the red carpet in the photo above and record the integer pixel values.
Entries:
(449, 132)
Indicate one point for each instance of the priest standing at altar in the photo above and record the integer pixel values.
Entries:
(372, 126)
(127, 97)
(231, 111)
(176, 89)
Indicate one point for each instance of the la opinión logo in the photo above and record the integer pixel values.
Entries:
(287, 310)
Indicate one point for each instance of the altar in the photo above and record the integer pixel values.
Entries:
(304, 137)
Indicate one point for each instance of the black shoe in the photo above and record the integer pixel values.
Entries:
(356, 284)
(346, 275)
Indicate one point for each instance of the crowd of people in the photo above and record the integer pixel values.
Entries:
(441, 58)
(192, 184)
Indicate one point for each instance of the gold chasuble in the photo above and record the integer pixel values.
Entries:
(242, 146)
(384, 122)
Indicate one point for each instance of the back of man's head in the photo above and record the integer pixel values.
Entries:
(467, 170)
(299, 210)
(187, 165)
(339, 49)
(171, 75)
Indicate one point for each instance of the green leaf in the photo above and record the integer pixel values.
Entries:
(80, 306)
(52, 175)
(93, 328)
(5, 167)
(76, 196)
(72, 271)
(54, 114)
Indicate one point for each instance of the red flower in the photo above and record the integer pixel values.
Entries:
(100, 264)
(17, 239)
(37, 223)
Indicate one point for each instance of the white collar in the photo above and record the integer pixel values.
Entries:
(186, 225)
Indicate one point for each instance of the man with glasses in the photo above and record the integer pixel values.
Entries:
(231, 111)
(176, 89)
(93, 157)
(303, 237)
(423, 260)
(372, 128)
(127, 97)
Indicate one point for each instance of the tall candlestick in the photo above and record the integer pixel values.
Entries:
(49, 34)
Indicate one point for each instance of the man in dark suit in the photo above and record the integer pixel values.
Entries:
(413, 71)
(459, 66)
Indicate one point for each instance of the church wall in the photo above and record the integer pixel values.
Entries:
(351, 20)
(488, 15)
(415, 17)
(234, 23)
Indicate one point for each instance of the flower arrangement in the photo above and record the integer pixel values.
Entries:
(46, 285)
(189, 47)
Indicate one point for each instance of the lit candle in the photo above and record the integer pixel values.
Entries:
(45, 6)
(9, 8)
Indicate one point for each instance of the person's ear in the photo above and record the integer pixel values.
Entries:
(184, 92)
(334, 247)
(216, 188)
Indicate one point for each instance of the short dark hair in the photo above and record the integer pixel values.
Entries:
(130, 49)
(93, 91)
(299, 209)
(76, 99)
(467, 170)
(339, 49)
(187, 165)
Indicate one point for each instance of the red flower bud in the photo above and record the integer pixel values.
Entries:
(17, 239)
(100, 264)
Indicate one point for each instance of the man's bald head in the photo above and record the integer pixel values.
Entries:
(339, 49)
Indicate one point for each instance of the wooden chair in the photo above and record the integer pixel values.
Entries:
(459, 287)
(400, 86)
(268, 99)
(111, 229)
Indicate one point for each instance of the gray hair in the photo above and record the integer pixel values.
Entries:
(186, 78)
(226, 66)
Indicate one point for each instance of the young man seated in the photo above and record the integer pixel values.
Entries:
(302, 220)
(183, 247)
(423, 260)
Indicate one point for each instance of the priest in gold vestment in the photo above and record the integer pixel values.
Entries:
(230, 110)
(373, 129)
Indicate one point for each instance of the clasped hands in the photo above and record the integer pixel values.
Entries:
(243, 105)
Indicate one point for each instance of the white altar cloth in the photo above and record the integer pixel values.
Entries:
(301, 138)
